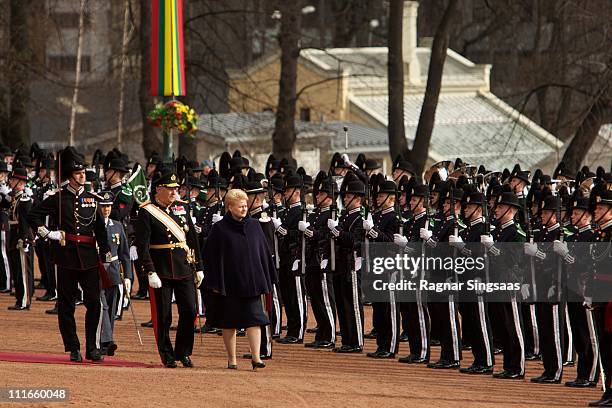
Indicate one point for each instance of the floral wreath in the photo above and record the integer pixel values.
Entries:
(173, 115)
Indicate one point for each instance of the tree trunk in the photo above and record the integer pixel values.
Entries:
(419, 153)
(150, 141)
(395, 66)
(284, 136)
(17, 132)
(586, 134)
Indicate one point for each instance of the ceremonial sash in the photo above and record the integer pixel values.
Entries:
(165, 219)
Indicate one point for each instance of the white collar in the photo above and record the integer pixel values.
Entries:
(75, 192)
(507, 224)
(476, 221)
(585, 228)
(606, 225)
(554, 227)
(296, 204)
(117, 184)
(256, 210)
(323, 209)
(387, 210)
(420, 215)
(354, 210)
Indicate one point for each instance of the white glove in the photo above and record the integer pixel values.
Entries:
(216, 218)
(54, 235)
(560, 248)
(309, 233)
(425, 234)
(277, 222)
(588, 302)
(302, 225)
(4, 190)
(28, 191)
(456, 241)
(368, 223)
(331, 224)
(20, 244)
(154, 280)
(310, 207)
(133, 253)
(525, 291)
(128, 286)
(265, 205)
(400, 240)
(199, 277)
(486, 240)
(531, 249)
(197, 228)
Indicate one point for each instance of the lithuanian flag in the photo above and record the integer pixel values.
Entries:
(167, 57)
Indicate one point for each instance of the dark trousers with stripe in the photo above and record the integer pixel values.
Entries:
(605, 343)
(47, 270)
(294, 298)
(474, 315)
(347, 289)
(161, 310)
(511, 335)
(5, 268)
(67, 292)
(585, 341)
(551, 320)
(387, 322)
(23, 276)
(530, 324)
(322, 300)
(417, 327)
(443, 309)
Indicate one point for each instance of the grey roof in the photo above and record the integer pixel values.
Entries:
(368, 66)
(239, 127)
(469, 126)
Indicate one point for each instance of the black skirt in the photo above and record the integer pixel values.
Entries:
(228, 312)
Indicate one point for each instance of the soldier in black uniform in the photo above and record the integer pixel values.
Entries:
(318, 264)
(581, 316)
(381, 228)
(443, 307)
(209, 214)
(348, 234)
(474, 314)
(256, 193)
(81, 228)
(5, 203)
(46, 185)
(290, 276)
(169, 254)
(416, 312)
(599, 289)
(505, 260)
(20, 240)
(549, 311)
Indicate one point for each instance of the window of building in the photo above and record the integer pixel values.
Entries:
(68, 63)
(70, 19)
(305, 114)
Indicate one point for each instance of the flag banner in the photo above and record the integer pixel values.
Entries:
(167, 48)
(137, 186)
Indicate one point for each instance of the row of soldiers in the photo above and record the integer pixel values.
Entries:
(319, 231)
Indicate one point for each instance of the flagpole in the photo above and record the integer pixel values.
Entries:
(77, 76)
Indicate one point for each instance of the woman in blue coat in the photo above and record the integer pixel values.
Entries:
(239, 271)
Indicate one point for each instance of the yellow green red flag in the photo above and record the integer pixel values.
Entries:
(167, 50)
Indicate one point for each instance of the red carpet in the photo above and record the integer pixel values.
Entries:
(65, 359)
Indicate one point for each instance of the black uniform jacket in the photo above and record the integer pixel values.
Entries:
(169, 263)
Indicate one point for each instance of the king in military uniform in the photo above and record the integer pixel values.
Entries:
(169, 254)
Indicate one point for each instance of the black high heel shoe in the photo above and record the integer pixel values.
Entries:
(232, 366)
(257, 365)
